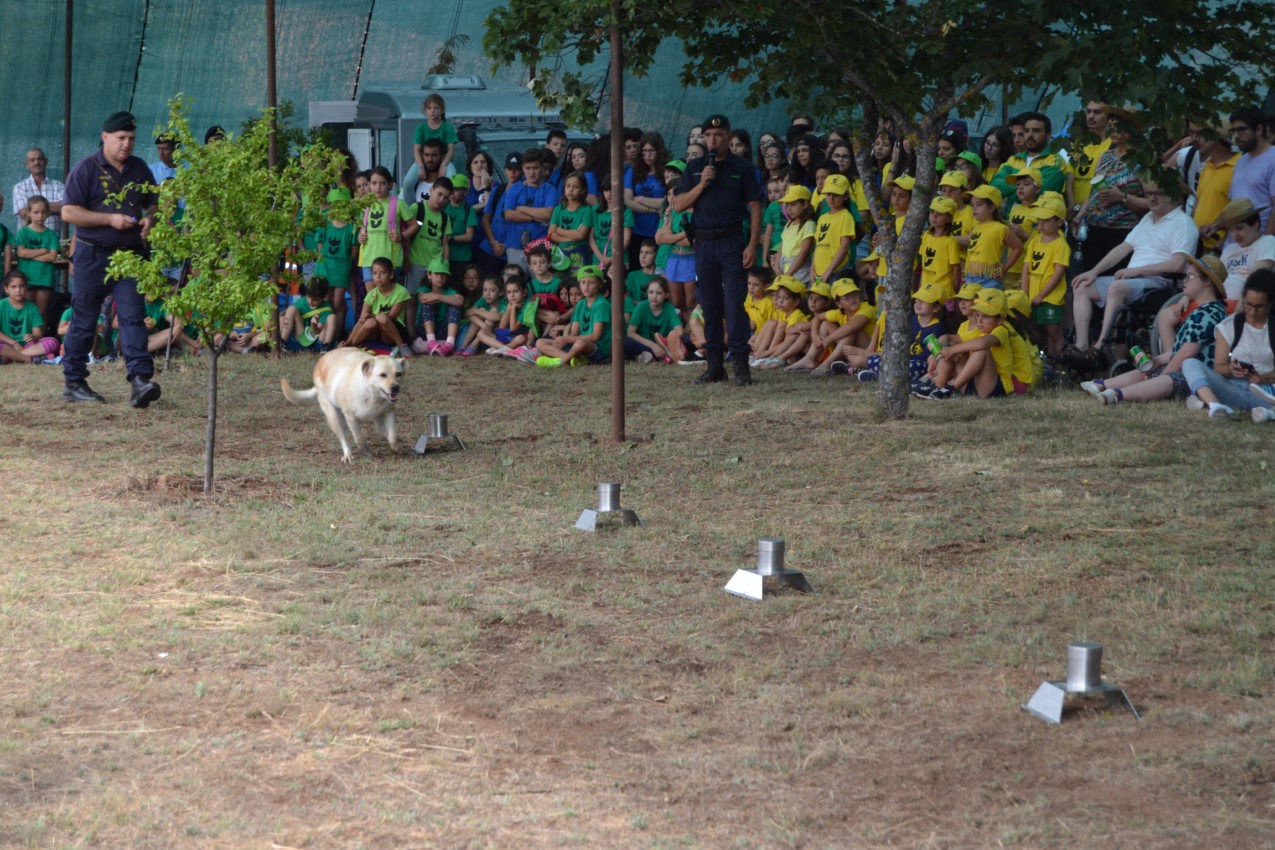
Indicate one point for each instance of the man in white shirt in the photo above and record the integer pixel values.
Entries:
(1159, 245)
(39, 184)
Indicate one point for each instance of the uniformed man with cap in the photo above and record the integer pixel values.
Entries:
(723, 190)
(111, 201)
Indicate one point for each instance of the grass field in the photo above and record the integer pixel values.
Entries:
(421, 651)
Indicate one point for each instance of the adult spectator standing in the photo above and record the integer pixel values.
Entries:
(1084, 162)
(39, 184)
(1037, 153)
(1114, 207)
(1254, 175)
(1213, 187)
(1157, 247)
(111, 209)
(165, 167)
(722, 188)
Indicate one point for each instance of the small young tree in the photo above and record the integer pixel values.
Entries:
(239, 216)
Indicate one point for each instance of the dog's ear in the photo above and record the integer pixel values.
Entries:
(367, 367)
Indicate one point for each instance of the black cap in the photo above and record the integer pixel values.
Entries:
(717, 121)
(214, 132)
(513, 160)
(167, 139)
(119, 121)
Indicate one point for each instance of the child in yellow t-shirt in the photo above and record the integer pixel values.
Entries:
(798, 239)
(986, 243)
(982, 363)
(952, 187)
(1025, 366)
(834, 232)
(757, 304)
(845, 329)
(787, 331)
(1044, 273)
(940, 252)
(1022, 221)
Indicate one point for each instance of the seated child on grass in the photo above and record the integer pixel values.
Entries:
(22, 336)
(818, 302)
(309, 321)
(515, 333)
(588, 337)
(981, 365)
(653, 321)
(787, 332)
(382, 319)
(440, 309)
(842, 329)
(927, 320)
(164, 329)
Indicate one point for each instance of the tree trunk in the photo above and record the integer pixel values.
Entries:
(210, 435)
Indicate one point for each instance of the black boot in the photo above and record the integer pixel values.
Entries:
(716, 372)
(144, 391)
(80, 391)
(743, 375)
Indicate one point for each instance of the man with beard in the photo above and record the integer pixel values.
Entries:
(1037, 153)
(1254, 176)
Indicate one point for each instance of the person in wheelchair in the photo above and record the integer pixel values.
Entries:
(1158, 246)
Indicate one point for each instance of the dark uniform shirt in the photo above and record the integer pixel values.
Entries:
(724, 203)
(89, 184)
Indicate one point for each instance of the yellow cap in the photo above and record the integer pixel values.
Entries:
(1031, 173)
(968, 292)
(821, 288)
(990, 193)
(836, 184)
(795, 193)
(845, 286)
(1017, 300)
(1049, 209)
(943, 205)
(954, 178)
(906, 182)
(789, 283)
(990, 302)
(928, 293)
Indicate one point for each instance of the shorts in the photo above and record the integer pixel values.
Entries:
(680, 268)
(985, 281)
(997, 392)
(1138, 288)
(415, 277)
(1181, 389)
(1019, 387)
(1047, 314)
(50, 345)
(597, 356)
(917, 366)
(503, 335)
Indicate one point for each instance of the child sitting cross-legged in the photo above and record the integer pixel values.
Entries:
(927, 321)
(819, 303)
(515, 333)
(22, 336)
(787, 332)
(440, 308)
(587, 338)
(309, 322)
(981, 365)
(483, 316)
(842, 330)
(382, 316)
(654, 321)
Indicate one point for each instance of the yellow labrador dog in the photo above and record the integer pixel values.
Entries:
(353, 387)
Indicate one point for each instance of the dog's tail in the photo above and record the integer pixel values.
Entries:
(298, 396)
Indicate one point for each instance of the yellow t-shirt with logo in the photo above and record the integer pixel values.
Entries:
(986, 251)
(759, 310)
(963, 224)
(1019, 216)
(1083, 166)
(1042, 257)
(938, 255)
(830, 230)
(1022, 353)
(1002, 356)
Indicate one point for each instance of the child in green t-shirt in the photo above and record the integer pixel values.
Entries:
(435, 126)
(516, 331)
(382, 316)
(600, 235)
(37, 252)
(572, 220)
(440, 307)
(635, 280)
(482, 316)
(588, 337)
(309, 319)
(22, 337)
(464, 224)
(652, 322)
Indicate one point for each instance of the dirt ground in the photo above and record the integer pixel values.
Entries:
(421, 652)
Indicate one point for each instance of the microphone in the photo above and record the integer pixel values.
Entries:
(712, 163)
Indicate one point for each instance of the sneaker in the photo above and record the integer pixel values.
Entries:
(1266, 391)
(420, 346)
(1194, 404)
(445, 349)
(645, 357)
(1263, 414)
(942, 394)
(1220, 411)
(578, 360)
(467, 351)
(548, 362)
(405, 351)
(529, 354)
(1108, 397)
(501, 350)
(841, 367)
(922, 388)
(866, 375)
(431, 347)
(1094, 388)
(692, 359)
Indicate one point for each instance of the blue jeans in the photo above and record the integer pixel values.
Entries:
(88, 291)
(1233, 392)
